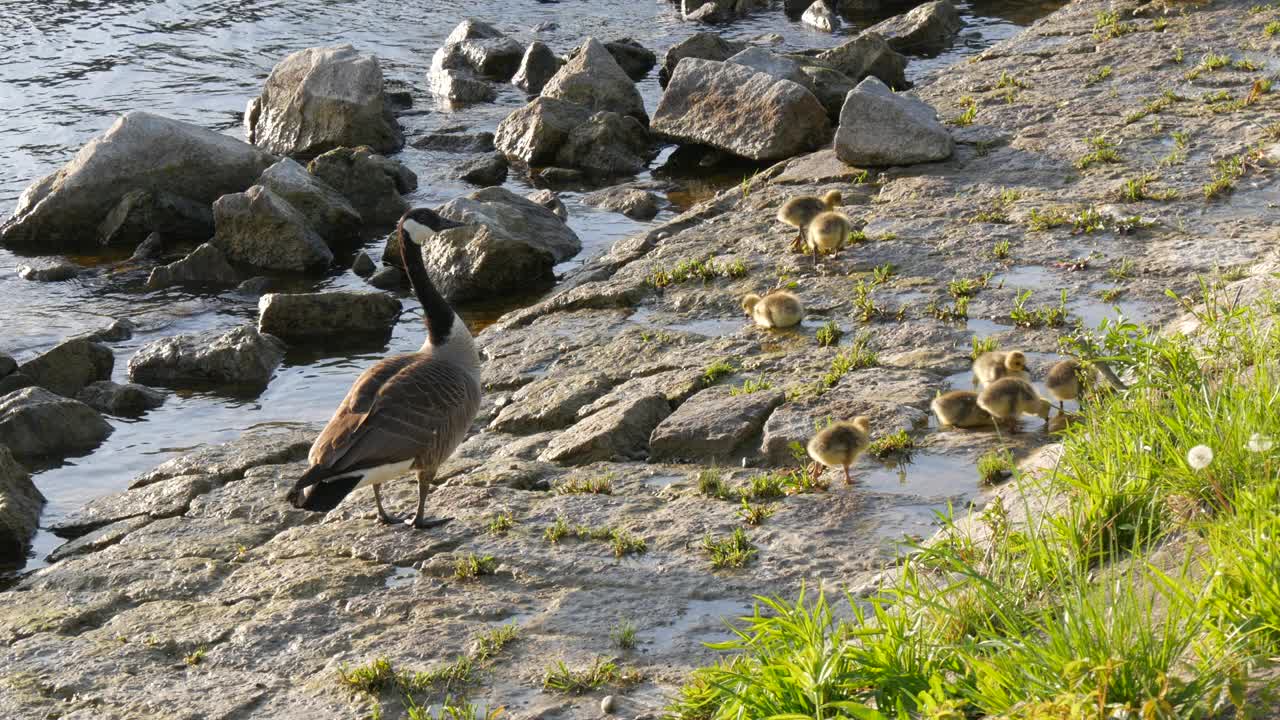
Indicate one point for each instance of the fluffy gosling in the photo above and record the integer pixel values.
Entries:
(959, 408)
(991, 366)
(1068, 380)
(798, 212)
(778, 309)
(1010, 397)
(828, 233)
(839, 445)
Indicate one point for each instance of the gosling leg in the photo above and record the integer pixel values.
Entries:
(383, 515)
(847, 479)
(424, 489)
(798, 244)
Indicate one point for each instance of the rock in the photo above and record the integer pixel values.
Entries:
(143, 212)
(454, 142)
(119, 329)
(123, 400)
(163, 499)
(927, 28)
(736, 109)
(561, 177)
(388, 278)
(241, 356)
(319, 99)
(363, 265)
(635, 204)
(254, 286)
(608, 704)
(619, 431)
(771, 64)
(867, 55)
(36, 423)
(103, 537)
(153, 246)
(15, 381)
(606, 144)
(703, 45)
(879, 127)
(372, 183)
(70, 365)
(484, 170)
(140, 152)
(537, 66)
(635, 59)
(549, 200)
(830, 87)
(327, 315)
(259, 228)
(20, 505)
(206, 265)
(328, 212)
(549, 404)
(710, 425)
(57, 272)
(716, 11)
(509, 244)
(534, 133)
(457, 86)
(593, 79)
(819, 16)
(481, 48)
(7, 365)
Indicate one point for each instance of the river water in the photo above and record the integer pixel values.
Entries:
(69, 67)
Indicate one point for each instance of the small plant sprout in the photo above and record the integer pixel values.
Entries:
(602, 672)
(1209, 63)
(1088, 221)
(865, 308)
(982, 345)
(711, 484)
(717, 370)
(754, 514)
(751, 385)
(623, 635)
(472, 566)
(705, 270)
(1225, 174)
(1102, 151)
(857, 356)
(862, 177)
(994, 467)
(970, 112)
(1049, 316)
(882, 273)
(734, 551)
(1107, 25)
(829, 334)
(1048, 219)
(1110, 294)
(898, 443)
(1098, 76)
(1199, 457)
(500, 523)
(195, 657)
(1000, 251)
(1121, 270)
(598, 485)
(1272, 28)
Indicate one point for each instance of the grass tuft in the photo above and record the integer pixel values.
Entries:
(734, 551)
(995, 466)
(472, 566)
(598, 485)
(898, 443)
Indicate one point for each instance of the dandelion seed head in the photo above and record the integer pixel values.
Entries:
(1259, 443)
(1199, 457)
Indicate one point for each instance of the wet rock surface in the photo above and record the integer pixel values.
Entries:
(45, 272)
(927, 28)
(238, 357)
(607, 144)
(372, 183)
(881, 127)
(594, 80)
(534, 134)
(483, 170)
(259, 228)
(69, 366)
(329, 213)
(35, 423)
(538, 65)
(634, 203)
(206, 265)
(330, 316)
(123, 400)
(20, 504)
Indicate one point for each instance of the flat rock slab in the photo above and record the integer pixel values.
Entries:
(163, 499)
(111, 398)
(206, 265)
(620, 431)
(710, 425)
(69, 366)
(550, 403)
(230, 461)
(327, 315)
(238, 357)
(103, 537)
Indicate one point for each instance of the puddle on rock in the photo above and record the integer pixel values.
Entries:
(923, 474)
(701, 621)
(401, 577)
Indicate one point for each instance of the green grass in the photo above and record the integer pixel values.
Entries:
(704, 270)
(829, 334)
(1102, 152)
(1107, 25)
(1178, 155)
(1155, 105)
(598, 485)
(1272, 28)
(957, 311)
(577, 681)
(623, 635)
(1138, 189)
(994, 466)
(751, 385)
(1226, 172)
(969, 114)
(717, 370)
(1000, 251)
(1122, 270)
(472, 566)
(982, 345)
(857, 356)
(195, 657)
(865, 308)
(754, 515)
(1209, 63)
(500, 523)
(620, 542)
(899, 443)
(1110, 294)
(489, 644)
(881, 274)
(1098, 76)
(449, 711)
(711, 484)
(1047, 316)
(734, 551)
(1047, 219)
(968, 287)
(1088, 221)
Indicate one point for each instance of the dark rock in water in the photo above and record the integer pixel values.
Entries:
(454, 142)
(879, 127)
(562, 176)
(70, 365)
(480, 47)
(546, 26)
(712, 424)
(867, 55)
(484, 170)
(537, 66)
(594, 80)
(703, 45)
(551, 201)
(606, 144)
(371, 182)
(635, 59)
(48, 273)
(820, 16)
(142, 212)
(398, 100)
(534, 133)
(153, 246)
(329, 213)
(327, 315)
(254, 286)
(323, 98)
(15, 381)
(123, 400)
(140, 152)
(259, 228)
(793, 8)
(388, 278)
(363, 264)
(7, 365)
(830, 87)
(36, 423)
(206, 265)
(928, 28)
(635, 204)
(739, 110)
(119, 329)
(20, 505)
(241, 356)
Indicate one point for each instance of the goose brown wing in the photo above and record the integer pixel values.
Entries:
(402, 408)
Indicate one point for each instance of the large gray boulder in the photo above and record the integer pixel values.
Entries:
(372, 183)
(534, 133)
(481, 48)
(635, 59)
(69, 366)
(820, 16)
(879, 127)
(741, 111)
(928, 28)
(206, 265)
(593, 79)
(702, 45)
(712, 424)
(772, 64)
(258, 228)
(20, 505)
(830, 87)
(867, 55)
(606, 144)
(140, 151)
(319, 99)
(122, 400)
(538, 65)
(241, 356)
(328, 211)
(36, 423)
(717, 11)
(458, 86)
(327, 315)
(483, 170)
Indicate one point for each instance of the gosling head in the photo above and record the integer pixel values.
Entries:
(419, 224)
(1015, 361)
(749, 302)
(832, 199)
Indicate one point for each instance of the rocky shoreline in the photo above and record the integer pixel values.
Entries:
(1103, 153)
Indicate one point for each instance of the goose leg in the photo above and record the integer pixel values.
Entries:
(424, 489)
(382, 514)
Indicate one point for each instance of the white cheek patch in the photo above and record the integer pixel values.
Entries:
(418, 232)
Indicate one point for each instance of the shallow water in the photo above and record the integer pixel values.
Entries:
(68, 69)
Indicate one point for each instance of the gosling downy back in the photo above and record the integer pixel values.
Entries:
(829, 231)
(959, 408)
(778, 309)
(840, 444)
(1068, 378)
(991, 366)
(799, 211)
(1009, 397)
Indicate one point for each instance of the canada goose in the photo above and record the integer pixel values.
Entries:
(991, 366)
(827, 233)
(1067, 380)
(406, 412)
(798, 212)
(840, 444)
(778, 309)
(959, 408)
(1007, 398)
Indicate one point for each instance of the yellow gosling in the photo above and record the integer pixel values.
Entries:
(1068, 380)
(828, 233)
(840, 444)
(959, 408)
(991, 366)
(778, 309)
(1008, 398)
(798, 212)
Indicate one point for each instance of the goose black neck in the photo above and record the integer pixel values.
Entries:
(436, 312)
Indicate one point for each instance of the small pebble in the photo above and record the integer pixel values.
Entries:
(607, 705)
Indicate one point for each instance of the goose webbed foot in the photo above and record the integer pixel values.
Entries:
(426, 523)
(420, 520)
(383, 515)
(797, 245)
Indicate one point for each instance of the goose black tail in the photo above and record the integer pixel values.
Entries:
(316, 492)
